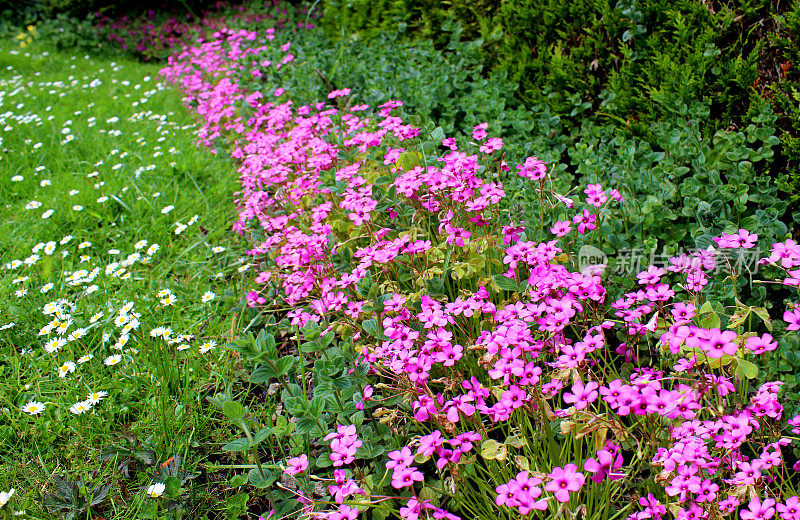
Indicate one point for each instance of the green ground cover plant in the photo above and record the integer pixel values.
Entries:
(422, 319)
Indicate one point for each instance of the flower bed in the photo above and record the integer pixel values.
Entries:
(449, 362)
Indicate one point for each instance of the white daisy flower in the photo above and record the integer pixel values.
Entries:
(33, 408)
(67, 368)
(80, 407)
(113, 360)
(95, 397)
(156, 490)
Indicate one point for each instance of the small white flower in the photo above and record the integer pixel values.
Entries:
(33, 408)
(4, 497)
(167, 209)
(67, 368)
(112, 360)
(80, 407)
(208, 296)
(47, 213)
(155, 490)
(95, 397)
(207, 346)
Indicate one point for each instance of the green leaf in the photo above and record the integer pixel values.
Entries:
(323, 461)
(710, 321)
(747, 369)
(311, 331)
(326, 340)
(703, 241)
(284, 364)
(507, 284)
(239, 480)
(233, 411)
(738, 318)
(262, 374)
(491, 449)
(372, 328)
(305, 425)
(265, 342)
(261, 435)
(172, 486)
(317, 406)
(764, 315)
(262, 482)
(240, 444)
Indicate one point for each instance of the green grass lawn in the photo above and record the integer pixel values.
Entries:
(118, 272)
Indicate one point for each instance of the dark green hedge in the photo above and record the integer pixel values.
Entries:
(626, 63)
(651, 54)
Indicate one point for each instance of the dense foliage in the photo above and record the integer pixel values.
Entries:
(452, 295)
(627, 64)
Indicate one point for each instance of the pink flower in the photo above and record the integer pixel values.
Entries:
(479, 132)
(406, 476)
(253, 299)
(344, 444)
(494, 143)
(561, 228)
(795, 423)
(450, 142)
(758, 510)
(296, 465)
(338, 93)
(534, 169)
(595, 195)
(714, 342)
(792, 318)
(762, 344)
(790, 509)
(563, 480)
(683, 311)
(585, 221)
(581, 395)
(604, 466)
